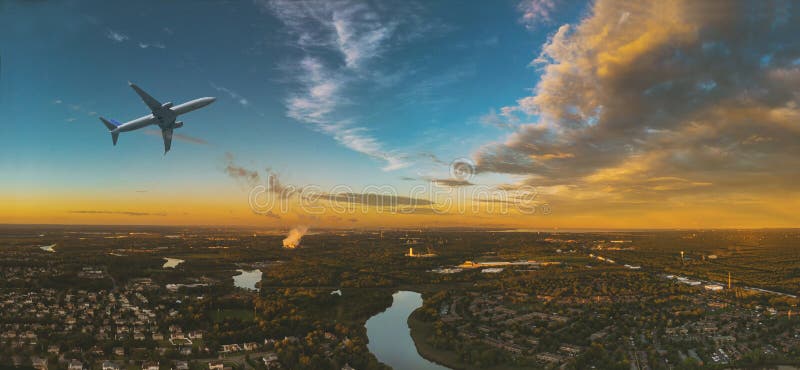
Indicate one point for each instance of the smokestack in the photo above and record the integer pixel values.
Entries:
(293, 239)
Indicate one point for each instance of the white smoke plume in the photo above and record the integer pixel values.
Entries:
(293, 239)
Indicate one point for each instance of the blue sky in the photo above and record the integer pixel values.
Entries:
(423, 91)
(619, 113)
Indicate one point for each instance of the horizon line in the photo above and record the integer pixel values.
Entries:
(487, 229)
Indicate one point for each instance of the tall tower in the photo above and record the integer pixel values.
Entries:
(411, 252)
(729, 280)
(681, 256)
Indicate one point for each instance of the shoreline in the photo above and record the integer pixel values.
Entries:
(418, 330)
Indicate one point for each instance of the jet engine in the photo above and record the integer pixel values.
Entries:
(178, 124)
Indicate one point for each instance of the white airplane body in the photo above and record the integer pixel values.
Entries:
(163, 115)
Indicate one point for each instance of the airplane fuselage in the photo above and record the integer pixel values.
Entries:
(164, 117)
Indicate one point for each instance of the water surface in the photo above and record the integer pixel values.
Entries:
(390, 337)
(247, 279)
(172, 262)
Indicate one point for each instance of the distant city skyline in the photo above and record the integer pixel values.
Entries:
(535, 114)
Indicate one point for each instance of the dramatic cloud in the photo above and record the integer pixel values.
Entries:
(359, 34)
(676, 98)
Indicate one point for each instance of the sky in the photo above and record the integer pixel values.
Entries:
(356, 114)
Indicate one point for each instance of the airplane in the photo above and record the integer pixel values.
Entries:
(163, 115)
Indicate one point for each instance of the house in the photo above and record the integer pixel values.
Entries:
(215, 365)
(108, 365)
(549, 357)
(158, 336)
(570, 349)
(177, 335)
(270, 360)
(185, 350)
(347, 367)
(196, 334)
(54, 349)
(150, 365)
(75, 365)
(119, 351)
(180, 365)
(231, 348)
(251, 346)
(39, 363)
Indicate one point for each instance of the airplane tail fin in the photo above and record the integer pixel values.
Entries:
(111, 126)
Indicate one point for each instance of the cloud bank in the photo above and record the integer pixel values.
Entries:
(686, 100)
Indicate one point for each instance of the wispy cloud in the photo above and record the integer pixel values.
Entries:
(156, 45)
(374, 199)
(124, 213)
(116, 36)
(177, 136)
(246, 177)
(72, 108)
(451, 182)
(359, 34)
(233, 94)
(536, 12)
(119, 37)
(497, 120)
(319, 96)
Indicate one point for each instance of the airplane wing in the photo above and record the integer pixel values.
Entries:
(167, 135)
(151, 102)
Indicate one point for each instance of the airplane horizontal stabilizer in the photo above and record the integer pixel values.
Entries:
(111, 126)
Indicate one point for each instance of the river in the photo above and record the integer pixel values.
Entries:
(390, 337)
